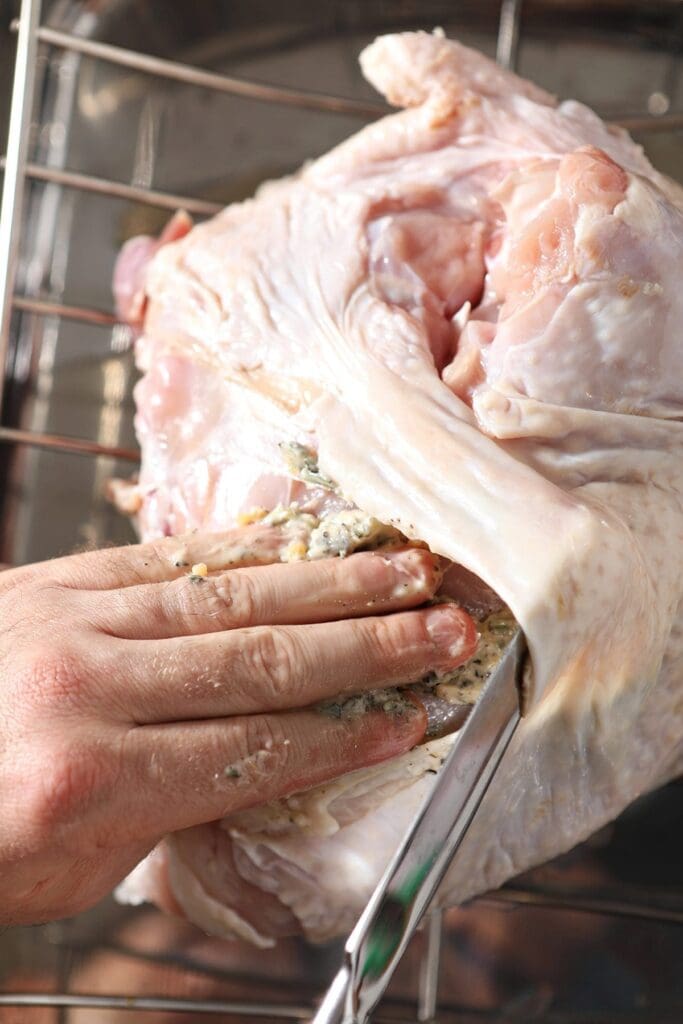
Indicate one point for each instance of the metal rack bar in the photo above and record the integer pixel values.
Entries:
(119, 190)
(17, 149)
(73, 445)
(281, 1011)
(45, 307)
(507, 45)
(650, 124)
(299, 1013)
(586, 904)
(430, 965)
(159, 66)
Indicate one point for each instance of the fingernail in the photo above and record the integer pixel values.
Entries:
(443, 717)
(447, 627)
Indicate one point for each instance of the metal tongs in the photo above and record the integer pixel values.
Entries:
(404, 893)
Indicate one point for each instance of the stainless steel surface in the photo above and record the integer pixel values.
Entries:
(164, 200)
(15, 161)
(428, 990)
(594, 937)
(411, 880)
(507, 44)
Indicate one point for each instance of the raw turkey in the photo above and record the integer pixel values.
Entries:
(470, 313)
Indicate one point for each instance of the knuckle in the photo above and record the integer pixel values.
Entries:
(228, 600)
(365, 576)
(415, 632)
(385, 638)
(264, 732)
(237, 596)
(183, 600)
(394, 642)
(273, 657)
(335, 571)
(64, 783)
(51, 679)
(267, 753)
(372, 574)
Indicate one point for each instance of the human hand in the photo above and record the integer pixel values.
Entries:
(136, 700)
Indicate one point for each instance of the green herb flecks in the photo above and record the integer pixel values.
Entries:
(303, 463)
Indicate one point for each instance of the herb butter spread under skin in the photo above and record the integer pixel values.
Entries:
(340, 534)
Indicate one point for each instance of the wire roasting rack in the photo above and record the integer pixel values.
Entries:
(29, 297)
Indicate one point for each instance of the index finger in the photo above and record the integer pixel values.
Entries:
(290, 593)
(158, 561)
